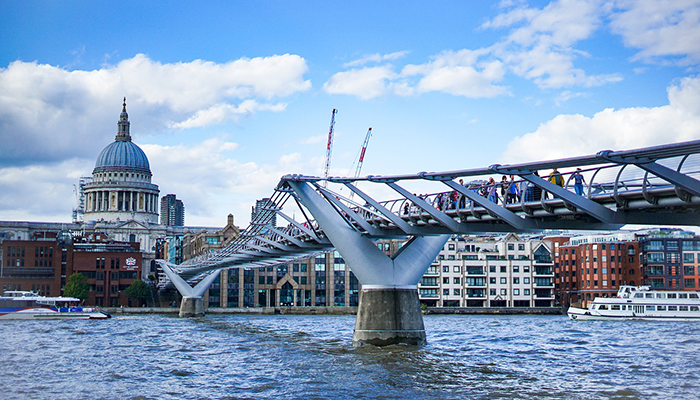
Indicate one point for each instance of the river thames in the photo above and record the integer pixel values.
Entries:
(311, 357)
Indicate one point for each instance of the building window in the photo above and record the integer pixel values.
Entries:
(503, 268)
(511, 246)
(516, 268)
(526, 280)
(516, 292)
(492, 268)
(456, 281)
(492, 292)
(455, 292)
(504, 292)
(526, 292)
(503, 280)
(492, 280)
(521, 247)
(516, 281)
(445, 292)
(455, 268)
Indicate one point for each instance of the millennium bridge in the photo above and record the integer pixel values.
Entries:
(648, 186)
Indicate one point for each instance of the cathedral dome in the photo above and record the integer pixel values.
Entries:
(122, 154)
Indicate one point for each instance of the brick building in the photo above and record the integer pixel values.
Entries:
(39, 264)
(110, 268)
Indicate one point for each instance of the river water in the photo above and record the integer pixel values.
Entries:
(311, 357)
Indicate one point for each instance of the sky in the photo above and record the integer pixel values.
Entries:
(226, 97)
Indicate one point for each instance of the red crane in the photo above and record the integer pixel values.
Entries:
(329, 148)
(362, 153)
(362, 156)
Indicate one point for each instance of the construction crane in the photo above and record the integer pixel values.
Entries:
(361, 160)
(329, 148)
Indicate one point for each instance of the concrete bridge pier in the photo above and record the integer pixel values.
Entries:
(191, 307)
(389, 316)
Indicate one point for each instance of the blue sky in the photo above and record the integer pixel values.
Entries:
(226, 97)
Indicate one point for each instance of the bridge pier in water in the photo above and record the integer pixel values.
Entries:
(389, 310)
(389, 316)
(191, 307)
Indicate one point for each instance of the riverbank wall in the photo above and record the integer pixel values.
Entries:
(334, 310)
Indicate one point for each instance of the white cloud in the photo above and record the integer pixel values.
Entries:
(540, 44)
(376, 58)
(212, 183)
(567, 95)
(627, 128)
(222, 112)
(365, 83)
(660, 28)
(460, 74)
(315, 139)
(49, 197)
(48, 113)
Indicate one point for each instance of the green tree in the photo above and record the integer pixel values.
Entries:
(77, 286)
(138, 290)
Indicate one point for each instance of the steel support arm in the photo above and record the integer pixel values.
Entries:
(506, 215)
(434, 212)
(588, 206)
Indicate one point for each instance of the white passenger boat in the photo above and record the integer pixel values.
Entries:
(29, 305)
(639, 302)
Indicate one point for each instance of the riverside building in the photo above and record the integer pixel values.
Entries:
(44, 263)
(593, 266)
(490, 271)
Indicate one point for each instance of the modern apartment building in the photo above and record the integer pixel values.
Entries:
(490, 271)
(670, 260)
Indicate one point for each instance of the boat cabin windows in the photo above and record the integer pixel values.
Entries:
(660, 308)
(615, 307)
(682, 308)
(693, 295)
(651, 308)
(603, 307)
(672, 308)
(694, 308)
(682, 295)
(671, 295)
(638, 295)
(661, 295)
(649, 295)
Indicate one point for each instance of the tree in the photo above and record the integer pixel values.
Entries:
(138, 290)
(77, 286)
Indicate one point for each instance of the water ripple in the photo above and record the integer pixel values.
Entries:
(285, 356)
